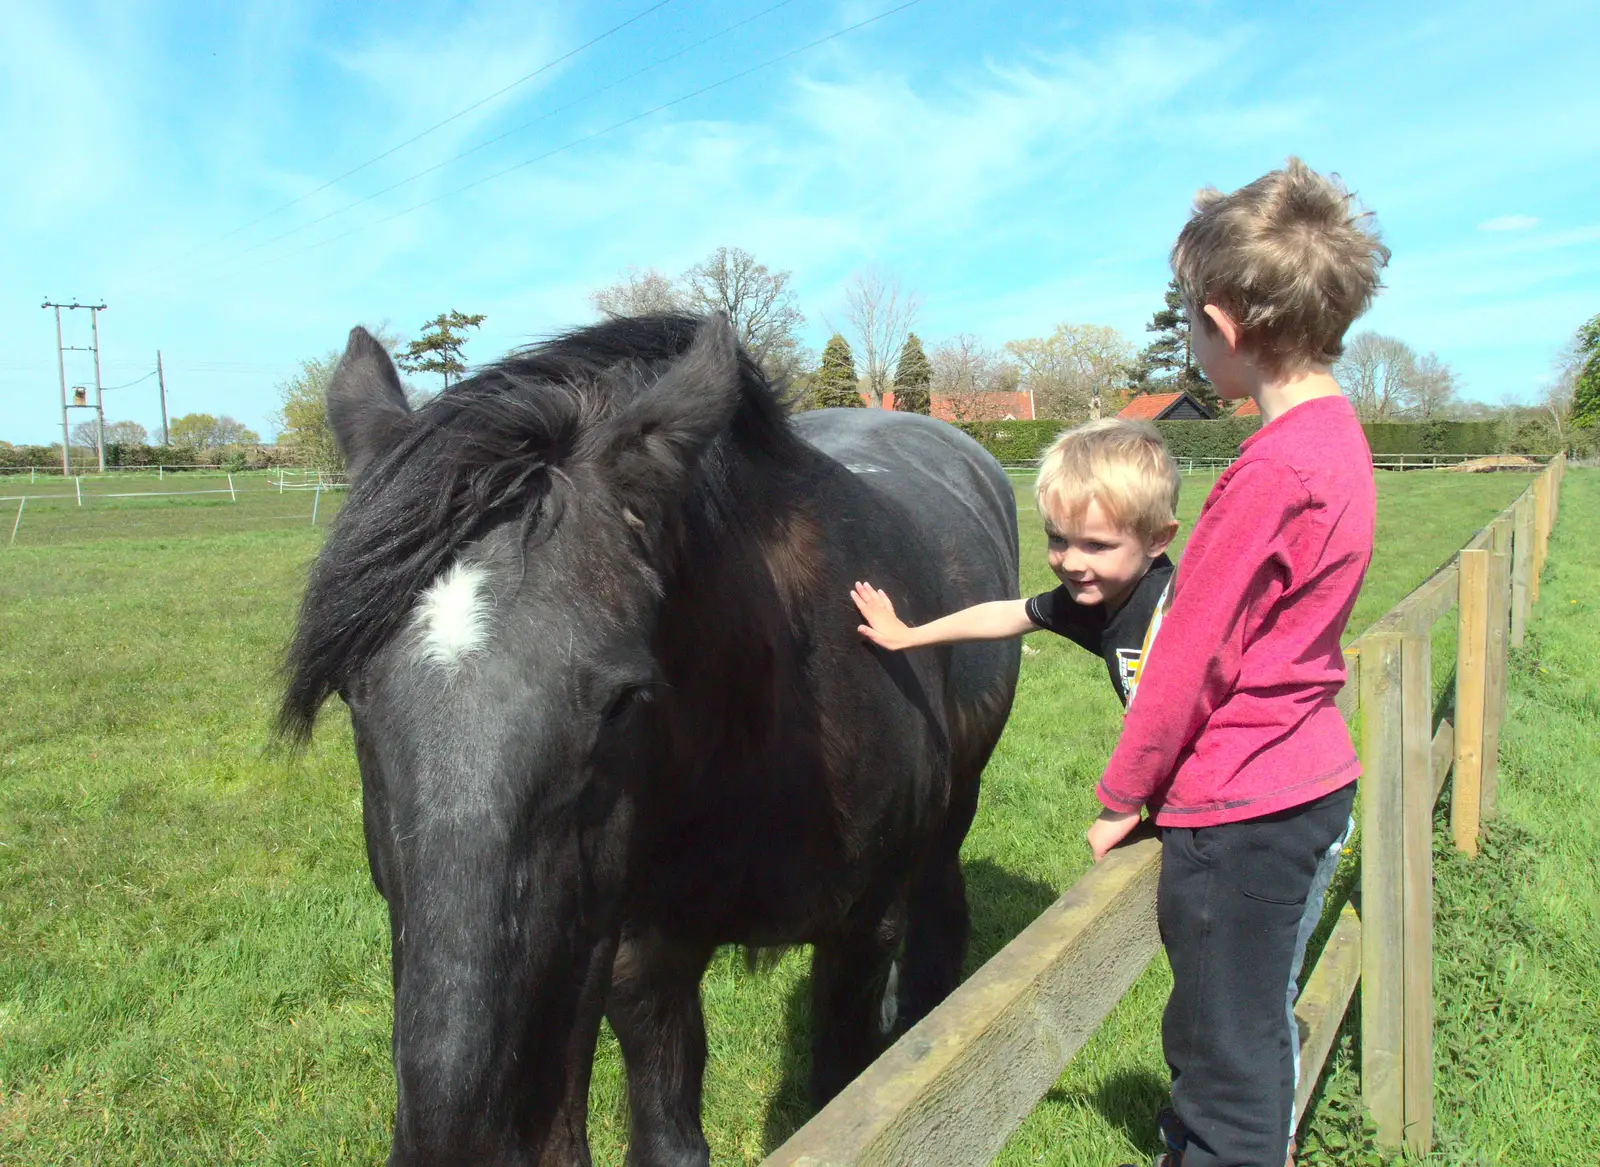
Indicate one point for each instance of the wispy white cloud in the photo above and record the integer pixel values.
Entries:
(1509, 223)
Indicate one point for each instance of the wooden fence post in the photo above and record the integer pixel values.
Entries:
(1541, 532)
(1472, 647)
(1417, 840)
(1496, 664)
(1382, 885)
(1521, 560)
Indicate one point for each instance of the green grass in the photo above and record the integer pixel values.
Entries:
(193, 963)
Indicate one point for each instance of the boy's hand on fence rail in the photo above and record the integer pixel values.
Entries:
(1108, 830)
(882, 626)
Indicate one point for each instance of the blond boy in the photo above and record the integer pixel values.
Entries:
(1107, 492)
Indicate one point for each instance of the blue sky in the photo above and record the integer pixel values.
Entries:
(1017, 164)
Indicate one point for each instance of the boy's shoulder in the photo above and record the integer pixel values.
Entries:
(1317, 447)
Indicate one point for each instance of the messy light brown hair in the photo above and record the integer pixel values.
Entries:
(1291, 257)
(1122, 465)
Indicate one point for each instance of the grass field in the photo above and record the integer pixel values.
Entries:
(193, 963)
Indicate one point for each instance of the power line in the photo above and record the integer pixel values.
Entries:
(547, 115)
(417, 137)
(128, 384)
(588, 137)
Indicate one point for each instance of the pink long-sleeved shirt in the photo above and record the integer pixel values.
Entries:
(1234, 716)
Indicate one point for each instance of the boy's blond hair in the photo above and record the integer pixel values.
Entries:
(1122, 465)
(1290, 257)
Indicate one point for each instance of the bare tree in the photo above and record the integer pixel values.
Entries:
(881, 313)
(638, 293)
(967, 375)
(758, 301)
(1075, 370)
(1377, 373)
(1433, 388)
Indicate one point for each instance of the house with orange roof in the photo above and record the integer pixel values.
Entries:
(1166, 407)
(1000, 405)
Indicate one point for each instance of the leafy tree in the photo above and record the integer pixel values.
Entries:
(303, 430)
(1585, 408)
(202, 431)
(127, 433)
(836, 378)
(913, 377)
(1079, 370)
(438, 349)
(1168, 364)
(302, 416)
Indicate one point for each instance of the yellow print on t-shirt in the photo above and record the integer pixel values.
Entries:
(1130, 664)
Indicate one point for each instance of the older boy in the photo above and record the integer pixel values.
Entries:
(1234, 743)
(1107, 492)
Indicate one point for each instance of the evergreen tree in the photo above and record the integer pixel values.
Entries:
(1586, 385)
(1167, 363)
(912, 377)
(438, 350)
(836, 379)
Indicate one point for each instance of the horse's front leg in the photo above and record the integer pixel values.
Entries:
(654, 1008)
(567, 1144)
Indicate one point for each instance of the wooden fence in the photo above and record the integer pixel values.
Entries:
(956, 1085)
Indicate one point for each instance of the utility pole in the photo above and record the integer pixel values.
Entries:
(99, 404)
(161, 380)
(61, 368)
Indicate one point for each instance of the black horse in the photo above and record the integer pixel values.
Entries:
(590, 612)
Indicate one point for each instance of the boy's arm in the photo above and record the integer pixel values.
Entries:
(996, 620)
(1236, 566)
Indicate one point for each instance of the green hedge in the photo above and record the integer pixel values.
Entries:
(1207, 439)
(1014, 442)
(1025, 441)
(1434, 437)
(246, 457)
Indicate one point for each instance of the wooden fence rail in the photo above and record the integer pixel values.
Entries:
(956, 1085)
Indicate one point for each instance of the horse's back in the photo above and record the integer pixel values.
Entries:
(930, 517)
(951, 487)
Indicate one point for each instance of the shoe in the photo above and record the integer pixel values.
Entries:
(1172, 1131)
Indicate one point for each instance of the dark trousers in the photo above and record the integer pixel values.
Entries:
(1236, 905)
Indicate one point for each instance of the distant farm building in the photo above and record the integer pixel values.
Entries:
(1166, 407)
(1002, 405)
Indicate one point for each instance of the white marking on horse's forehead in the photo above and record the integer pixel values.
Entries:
(451, 618)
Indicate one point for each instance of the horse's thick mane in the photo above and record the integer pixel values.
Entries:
(488, 450)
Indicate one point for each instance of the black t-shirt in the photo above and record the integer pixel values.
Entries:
(1120, 640)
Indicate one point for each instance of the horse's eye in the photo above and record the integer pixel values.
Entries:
(624, 701)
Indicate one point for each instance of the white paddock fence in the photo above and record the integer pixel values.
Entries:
(72, 491)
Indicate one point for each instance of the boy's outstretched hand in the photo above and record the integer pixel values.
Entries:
(882, 626)
(1108, 830)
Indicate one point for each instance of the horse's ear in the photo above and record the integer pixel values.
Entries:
(651, 446)
(367, 406)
